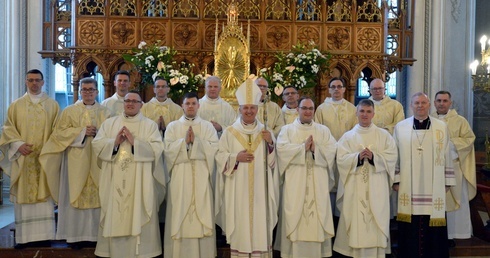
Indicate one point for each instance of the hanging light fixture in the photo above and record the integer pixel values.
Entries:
(480, 71)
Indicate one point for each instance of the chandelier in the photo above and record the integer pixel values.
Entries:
(480, 71)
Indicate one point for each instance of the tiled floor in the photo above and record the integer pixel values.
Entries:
(7, 217)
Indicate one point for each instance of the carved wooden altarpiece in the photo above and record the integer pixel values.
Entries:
(359, 34)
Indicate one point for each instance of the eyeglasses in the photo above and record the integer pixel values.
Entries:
(377, 89)
(289, 93)
(338, 87)
(88, 90)
(263, 86)
(161, 87)
(307, 108)
(34, 80)
(132, 101)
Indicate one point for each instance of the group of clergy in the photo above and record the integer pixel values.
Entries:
(109, 167)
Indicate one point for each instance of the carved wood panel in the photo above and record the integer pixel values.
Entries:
(355, 32)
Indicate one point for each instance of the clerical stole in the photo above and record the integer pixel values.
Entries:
(30, 179)
(250, 145)
(121, 219)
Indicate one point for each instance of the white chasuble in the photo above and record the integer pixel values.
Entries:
(306, 221)
(190, 215)
(364, 223)
(246, 207)
(131, 188)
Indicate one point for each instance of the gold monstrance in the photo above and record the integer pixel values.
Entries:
(232, 54)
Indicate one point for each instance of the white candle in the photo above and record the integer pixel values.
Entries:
(473, 67)
(216, 36)
(483, 42)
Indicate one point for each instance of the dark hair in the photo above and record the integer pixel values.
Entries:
(443, 92)
(88, 80)
(123, 72)
(190, 95)
(35, 71)
(304, 98)
(336, 79)
(366, 103)
(289, 87)
(135, 92)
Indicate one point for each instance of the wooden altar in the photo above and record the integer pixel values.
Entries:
(92, 35)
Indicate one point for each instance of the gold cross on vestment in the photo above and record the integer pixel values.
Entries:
(403, 199)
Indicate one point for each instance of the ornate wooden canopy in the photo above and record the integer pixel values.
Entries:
(92, 35)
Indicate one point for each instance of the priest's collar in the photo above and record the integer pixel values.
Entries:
(441, 116)
(307, 124)
(189, 118)
(290, 108)
(161, 101)
(421, 124)
(212, 100)
(130, 117)
(35, 98)
(249, 126)
(93, 103)
(378, 101)
(365, 127)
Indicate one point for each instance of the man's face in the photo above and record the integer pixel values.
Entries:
(213, 89)
(161, 89)
(89, 92)
(443, 103)
(263, 85)
(132, 104)
(377, 89)
(420, 106)
(190, 106)
(122, 84)
(306, 110)
(34, 83)
(248, 113)
(365, 114)
(290, 96)
(336, 89)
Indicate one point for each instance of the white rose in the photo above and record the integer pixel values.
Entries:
(141, 44)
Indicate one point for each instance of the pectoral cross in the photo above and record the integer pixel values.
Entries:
(420, 149)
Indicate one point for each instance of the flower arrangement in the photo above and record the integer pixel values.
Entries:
(182, 79)
(298, 68)
(150, 58)
(154, 60)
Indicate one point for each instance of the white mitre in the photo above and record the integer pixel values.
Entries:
(248, 93)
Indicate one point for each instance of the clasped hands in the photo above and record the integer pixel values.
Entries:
(366, 153)
(310, 144)
(91, 130)
(123, 135)
(161, 124)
